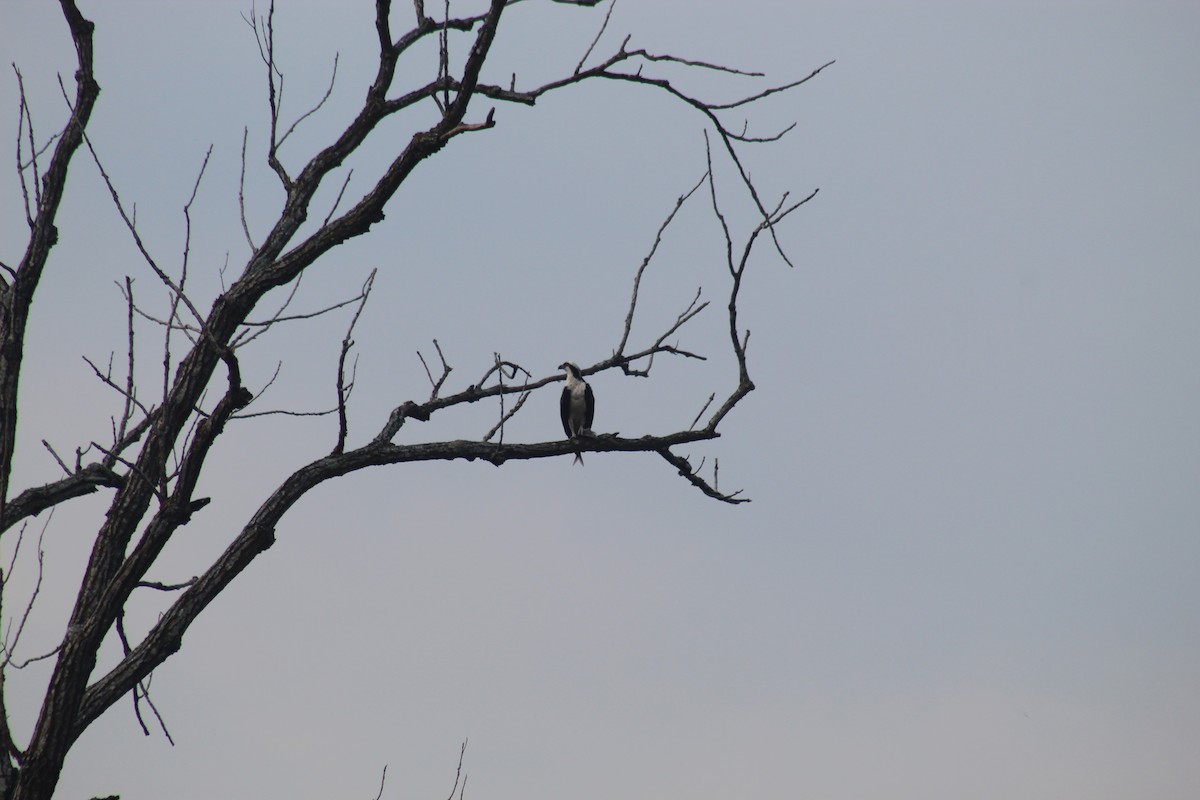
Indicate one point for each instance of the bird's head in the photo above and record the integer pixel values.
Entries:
(571, 370)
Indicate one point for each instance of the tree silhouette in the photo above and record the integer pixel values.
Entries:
(162, 436)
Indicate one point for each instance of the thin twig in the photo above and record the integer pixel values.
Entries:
(46, 444)
(383, 777)
(458, 773)
(337, 201)
(637, 278)
(131, 226)
(130, 389)
(250, 323)
(9, 646)
(157, 716)
(596, 41)
(343, 391)
(124, 391)
(711, 397)
(446, 368)
(314, 109)
(242, 193)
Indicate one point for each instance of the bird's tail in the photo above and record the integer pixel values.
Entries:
(578, 459)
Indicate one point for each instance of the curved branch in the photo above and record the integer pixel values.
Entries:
(258, 535)
(708, 109)
(637, 278)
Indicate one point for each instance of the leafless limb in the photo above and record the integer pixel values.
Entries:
(8, 645)
(242, 193)
(144, 691)
(505, 416)
(25, 126)
(134, 468)
(12, 562)
(700, 414)
(620, 359)
(196, 416)
(464, 127)
(637, 278)
(131, 226)
(245, 336)
(19, 284)
(609, 69)
(165, 587)
(383, 777)
(285, 412)
(774, 137)
(141, 691)
(65, 468)
(23, 663)
(458, 774)
(264, 36)
(498, 368)
(122, 389)
(446, 368)
(599, 33)
(692, 477)
(444, 60)
(169, 324)
(659, 346)
(314, 109)
(337, 201)
(280, 317)
(130, 390)
(159, 452)
(177, 294)
(500, 380)
(343, 390)
(81, 481)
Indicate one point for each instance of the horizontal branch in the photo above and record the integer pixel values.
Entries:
(259, 534)
(474, 393)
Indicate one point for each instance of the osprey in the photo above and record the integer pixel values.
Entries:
(576, 406)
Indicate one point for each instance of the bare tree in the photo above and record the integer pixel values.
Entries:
(162, 436)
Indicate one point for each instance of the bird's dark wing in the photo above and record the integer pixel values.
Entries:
(589, 407)
(564, 410)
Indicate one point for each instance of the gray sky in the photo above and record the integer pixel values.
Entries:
(969, 569)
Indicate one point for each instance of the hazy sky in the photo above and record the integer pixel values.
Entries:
(970, 567)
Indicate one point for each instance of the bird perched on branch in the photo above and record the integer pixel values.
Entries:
(577, 406)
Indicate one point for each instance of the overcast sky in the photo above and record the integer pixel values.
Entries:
(970, 564)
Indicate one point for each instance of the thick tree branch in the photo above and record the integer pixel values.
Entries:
(18, 295)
